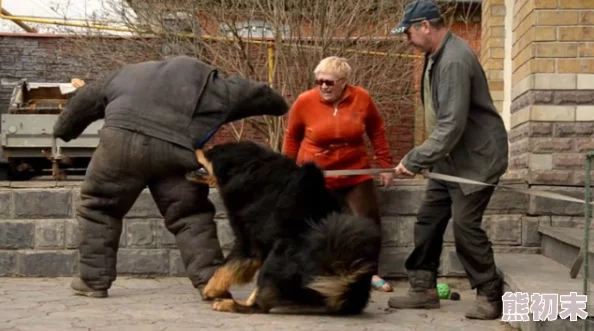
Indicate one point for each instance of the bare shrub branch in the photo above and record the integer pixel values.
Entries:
(280, 41)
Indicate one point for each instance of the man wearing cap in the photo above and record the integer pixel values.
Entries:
(467, 138)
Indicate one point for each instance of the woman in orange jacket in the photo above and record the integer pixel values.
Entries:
(327, 125)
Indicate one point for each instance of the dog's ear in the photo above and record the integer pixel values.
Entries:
(222, 171)
(227, 167)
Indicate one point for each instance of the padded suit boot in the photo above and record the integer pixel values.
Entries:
(422, 293)
(81, 288)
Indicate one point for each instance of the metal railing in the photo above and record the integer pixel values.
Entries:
(587, 221)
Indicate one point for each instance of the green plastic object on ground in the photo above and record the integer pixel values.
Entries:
(443, 290)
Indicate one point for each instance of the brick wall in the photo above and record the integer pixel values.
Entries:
(47, 58)
(31, 58)
(552, 121)
(492, 52)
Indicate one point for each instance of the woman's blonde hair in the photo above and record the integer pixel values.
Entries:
(334, 65)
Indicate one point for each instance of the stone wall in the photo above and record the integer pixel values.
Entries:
(39, 233)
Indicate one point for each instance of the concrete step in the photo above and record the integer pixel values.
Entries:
(535, 273)
(563, 245)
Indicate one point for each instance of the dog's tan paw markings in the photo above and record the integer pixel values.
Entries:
(223, 305)
(210, 292)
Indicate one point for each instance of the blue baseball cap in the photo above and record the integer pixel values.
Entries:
(415, 12)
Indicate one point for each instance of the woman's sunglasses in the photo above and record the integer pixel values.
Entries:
(325, 81)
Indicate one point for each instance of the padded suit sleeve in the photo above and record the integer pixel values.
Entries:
(86, 106)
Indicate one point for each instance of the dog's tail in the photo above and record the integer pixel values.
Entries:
(346, 250)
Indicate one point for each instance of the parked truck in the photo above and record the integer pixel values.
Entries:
(28, 149)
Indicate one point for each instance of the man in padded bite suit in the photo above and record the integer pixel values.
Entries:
(156, 115)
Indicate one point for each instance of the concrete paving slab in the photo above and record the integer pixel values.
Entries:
(172, 304)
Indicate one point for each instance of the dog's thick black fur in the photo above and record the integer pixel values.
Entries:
(290, 227)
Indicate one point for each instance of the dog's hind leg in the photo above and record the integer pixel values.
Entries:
(335, 289)
(261, 301)
(263, 298)
(235, 272)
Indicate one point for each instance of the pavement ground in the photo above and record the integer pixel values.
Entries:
(172, 304)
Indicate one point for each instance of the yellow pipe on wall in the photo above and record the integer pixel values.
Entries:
(270, 49)
(21, 24)
(57, 22)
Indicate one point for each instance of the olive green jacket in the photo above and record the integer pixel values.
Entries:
(469, 139)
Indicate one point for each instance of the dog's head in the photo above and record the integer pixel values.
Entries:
(223, 162)
(203, 175)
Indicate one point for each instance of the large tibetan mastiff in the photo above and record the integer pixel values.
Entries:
(290, 227)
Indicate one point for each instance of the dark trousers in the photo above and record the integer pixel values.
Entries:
(123, 165)
(442, 202)
(361, 199)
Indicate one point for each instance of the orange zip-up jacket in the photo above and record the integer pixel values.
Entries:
(333, 137)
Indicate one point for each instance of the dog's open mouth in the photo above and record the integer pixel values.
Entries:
(203, 175)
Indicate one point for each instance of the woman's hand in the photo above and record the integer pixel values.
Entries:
(386, 179)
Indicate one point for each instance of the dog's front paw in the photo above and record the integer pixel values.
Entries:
(225, 305)
(210, 295)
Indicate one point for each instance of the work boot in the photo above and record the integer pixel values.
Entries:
(421, 294)
(81, 288)
(488, 303)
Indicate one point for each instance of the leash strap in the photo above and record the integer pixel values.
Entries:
(358, 172)
(198, 144)
(460, 180)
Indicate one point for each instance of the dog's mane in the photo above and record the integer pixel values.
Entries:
(255, 173)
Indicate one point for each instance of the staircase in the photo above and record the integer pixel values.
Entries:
(548, 272)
